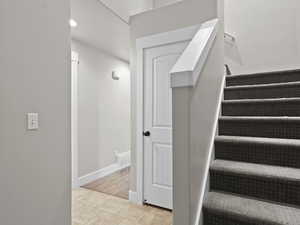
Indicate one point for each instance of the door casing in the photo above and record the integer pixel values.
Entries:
(74, 119)
(171, 37)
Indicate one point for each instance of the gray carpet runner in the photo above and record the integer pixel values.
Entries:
(255, 177)
(262, 107)
(263, 78)
(258, 91)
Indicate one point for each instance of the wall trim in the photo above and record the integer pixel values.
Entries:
(175, 36)
(74, 118)
(211, 148)
(133, 197)
(189, 66)
(100, 173)
(123, 158)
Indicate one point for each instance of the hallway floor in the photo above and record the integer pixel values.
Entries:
(95, 208)
(116, 184)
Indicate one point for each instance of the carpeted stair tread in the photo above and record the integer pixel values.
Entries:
(273, 141)
(266, 182)
(270, 73)
(267, 100)
(264, 86)
(255, 175)
(260, 126)
(261, 78)
(269, 151)
(242, 210)
(263, 91)
(258, 170)
(261, 118)
(261, 107)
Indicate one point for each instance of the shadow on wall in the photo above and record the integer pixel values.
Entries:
(232, 52)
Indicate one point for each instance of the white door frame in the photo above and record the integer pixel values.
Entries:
(74, 120)
(171, 37)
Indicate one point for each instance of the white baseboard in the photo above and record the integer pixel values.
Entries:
(75, 184)
(123, 158)
(101, 173)
(133, 197)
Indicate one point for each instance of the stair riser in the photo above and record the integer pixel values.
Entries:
(260, 128)
(276, 190)
(260, 153)
(262, 92)
(263, 79)
(261, 109)
(214, 218)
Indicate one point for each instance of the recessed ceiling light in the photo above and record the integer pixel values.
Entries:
(73, 23)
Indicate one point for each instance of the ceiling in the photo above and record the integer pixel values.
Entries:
(122, 8)
(101, 27)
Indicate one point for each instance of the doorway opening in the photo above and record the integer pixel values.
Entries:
(100, 137)
(101, 120)
(101, 196)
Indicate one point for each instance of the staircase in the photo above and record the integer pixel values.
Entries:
(255, 177)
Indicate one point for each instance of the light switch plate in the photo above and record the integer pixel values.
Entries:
(32, 121)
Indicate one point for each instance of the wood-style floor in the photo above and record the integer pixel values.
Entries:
(95, 208)
(116, 184)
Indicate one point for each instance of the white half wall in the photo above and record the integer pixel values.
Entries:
(267, 35)
(103, 109)
(156, 21)
(35, 74)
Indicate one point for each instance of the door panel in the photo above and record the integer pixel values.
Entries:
(158, 62)
(162, 165)
(162, 94)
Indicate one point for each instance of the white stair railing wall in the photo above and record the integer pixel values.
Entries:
(197, 81)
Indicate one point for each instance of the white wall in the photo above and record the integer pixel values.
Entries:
(138, 6)
(267, 35)
(194, 116)
(103, 108)
(162, 20)
(195, 111)
(161, 3)
(99, 27)
(35, 166)
(121, 8)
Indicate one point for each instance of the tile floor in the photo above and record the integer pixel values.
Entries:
(95, 208)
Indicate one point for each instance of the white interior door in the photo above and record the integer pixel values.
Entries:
(158, 61)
